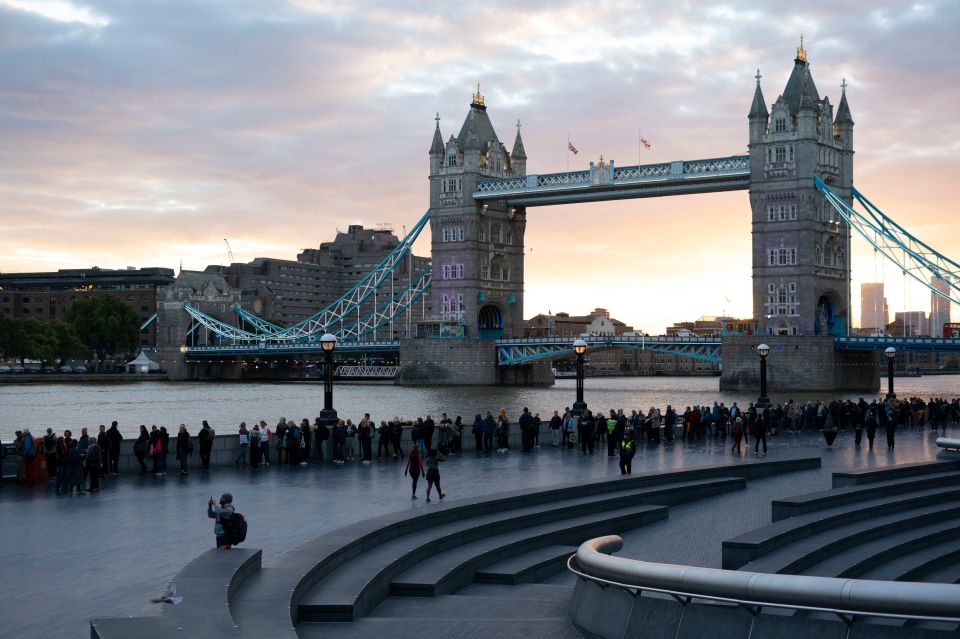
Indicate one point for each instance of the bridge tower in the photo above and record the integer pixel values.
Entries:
(801, 253)
(477, 249)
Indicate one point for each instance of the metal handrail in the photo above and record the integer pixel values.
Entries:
(859, 597)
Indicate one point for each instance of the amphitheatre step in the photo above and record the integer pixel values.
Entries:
(870, 475)
(268, 603)
(809, 502)
(802, 554)
(916, 564)
(353, 589)
(752, 545)
(948, 573)
(548, 592)
(507, 606)
(529, 567)
(873, 551)
(453, 569)
(559, 628)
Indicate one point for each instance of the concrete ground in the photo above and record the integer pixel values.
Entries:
(70, 558)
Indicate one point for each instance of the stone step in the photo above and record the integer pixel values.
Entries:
(879, 548)
(800, 556)
(451, 570)
(752, 545)
(528, 567)
(508, 606)
(560, 628)
(548, 592)
(919, 563)
(900, 471)
(355, 588)
(809, 502)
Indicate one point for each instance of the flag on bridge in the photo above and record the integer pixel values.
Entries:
(645, 143)
(571, 147)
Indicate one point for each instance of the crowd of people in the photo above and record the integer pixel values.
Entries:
(76, 465)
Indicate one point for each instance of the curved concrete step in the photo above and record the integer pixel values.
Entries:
(870, 475)
(352, 590)
(491, 627)
(879, 548)
(752, 545)
(809, 502)
(919, 562)
(528, 567)
(451, 570)
(801, 555)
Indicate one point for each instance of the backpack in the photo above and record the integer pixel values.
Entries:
(29, 447)
(234, 528)
(295, 433)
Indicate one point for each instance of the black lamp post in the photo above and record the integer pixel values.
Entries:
(579, 406)
(328, 415)
(891, 354)
(763, 350)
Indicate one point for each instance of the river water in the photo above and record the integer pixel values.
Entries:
(225, 405)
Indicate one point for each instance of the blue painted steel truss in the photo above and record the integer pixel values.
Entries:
(911, 255)
(511, 352)
(608, 182)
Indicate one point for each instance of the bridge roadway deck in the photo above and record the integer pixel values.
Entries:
(68, 559)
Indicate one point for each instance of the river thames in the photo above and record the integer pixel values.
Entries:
(225, 405)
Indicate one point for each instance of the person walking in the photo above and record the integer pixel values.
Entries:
(433, 472)
(220, 513)
(244, 436)
(184, 449)
(871, 424)
(891, 425)
(414, 468)
(627, 450)
(205, 438)
(737, 433)
(760, 430)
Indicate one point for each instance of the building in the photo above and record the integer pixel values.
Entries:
(477, 249)
(709, 325)
(801, 252)
(597, 322)
(909, 324)
(47, 296)
(939, 305)
(873, 308)
(289, 291)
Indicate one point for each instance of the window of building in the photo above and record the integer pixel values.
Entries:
(780, 125)
(771, 213)
(780, 154)
(482, 233)
(452, 159)
(484, 268)
(506, 273)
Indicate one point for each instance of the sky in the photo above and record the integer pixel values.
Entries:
(144, 133)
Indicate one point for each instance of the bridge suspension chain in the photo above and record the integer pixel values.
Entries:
(911, 255)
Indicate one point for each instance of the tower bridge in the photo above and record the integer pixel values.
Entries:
(803, 212)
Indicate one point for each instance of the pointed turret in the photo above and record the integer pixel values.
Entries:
(518, 157)
(801, 92)
(436, 147)
(843, 111)
(759, 107)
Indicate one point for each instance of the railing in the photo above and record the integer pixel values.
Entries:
(602, 339)
(846, 598)
(378, 372)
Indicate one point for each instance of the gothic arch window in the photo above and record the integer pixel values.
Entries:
(780, 125)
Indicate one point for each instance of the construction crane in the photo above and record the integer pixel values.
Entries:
(229, 250)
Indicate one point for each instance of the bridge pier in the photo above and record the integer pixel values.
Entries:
(797, 363)
(463, 362)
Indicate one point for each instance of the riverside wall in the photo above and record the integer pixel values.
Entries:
(463, 362)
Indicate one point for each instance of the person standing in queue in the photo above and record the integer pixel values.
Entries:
(205, 437)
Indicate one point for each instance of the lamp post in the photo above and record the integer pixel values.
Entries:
(328, 415)
(579, 406)
(891, 354)
(763, 350)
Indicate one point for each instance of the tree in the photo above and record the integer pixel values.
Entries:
(105, 325)
(25, 339)
(65, 342)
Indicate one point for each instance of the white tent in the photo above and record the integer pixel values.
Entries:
(142, 365)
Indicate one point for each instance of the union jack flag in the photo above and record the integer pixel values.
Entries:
(644, 142)
(571, 147)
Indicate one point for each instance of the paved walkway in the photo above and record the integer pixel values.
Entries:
(69, 558)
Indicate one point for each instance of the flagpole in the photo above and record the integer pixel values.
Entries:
(568, 151)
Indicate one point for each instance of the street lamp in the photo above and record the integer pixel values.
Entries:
(579, 406)
(328, 415)
(891, 354)
(763, 350)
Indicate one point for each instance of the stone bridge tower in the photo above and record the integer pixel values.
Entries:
(477, 249)
(801, 250)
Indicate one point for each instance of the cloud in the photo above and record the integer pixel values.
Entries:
(146, 133)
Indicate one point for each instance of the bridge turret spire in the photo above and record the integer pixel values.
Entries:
(436, 148)
(518, 152)
(759, 107)
(843, 110)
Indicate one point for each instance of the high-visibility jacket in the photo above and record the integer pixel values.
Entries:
(626, 446)
(611, 424)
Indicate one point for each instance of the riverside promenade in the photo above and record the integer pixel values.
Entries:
(69, 559)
